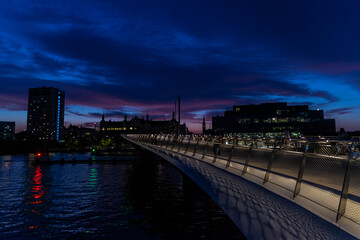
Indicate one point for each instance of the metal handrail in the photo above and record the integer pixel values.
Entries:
(330, 152)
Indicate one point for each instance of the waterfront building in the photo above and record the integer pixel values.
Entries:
(274, 119)
(140, 125)
(81, 134)
(7, 130)
(45, 118)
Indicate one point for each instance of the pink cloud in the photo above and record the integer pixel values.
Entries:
(334, 68)
(13, 102)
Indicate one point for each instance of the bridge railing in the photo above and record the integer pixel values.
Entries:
(325, 172)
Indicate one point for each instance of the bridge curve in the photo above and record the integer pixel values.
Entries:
(266, 196)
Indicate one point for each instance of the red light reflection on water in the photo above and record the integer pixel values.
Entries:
(37, 193)
(37, 188)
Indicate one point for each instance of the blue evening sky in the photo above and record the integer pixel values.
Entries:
(136, 56)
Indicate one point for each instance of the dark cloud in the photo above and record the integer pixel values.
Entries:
(108, 114)
(325, 95)
(339, 111)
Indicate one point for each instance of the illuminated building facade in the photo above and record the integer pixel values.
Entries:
(45, 119)
(7, 130)
(275, 119)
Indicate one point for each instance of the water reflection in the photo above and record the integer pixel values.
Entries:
(93, 178)
(37, 188)
(36, 196)
(93, 188)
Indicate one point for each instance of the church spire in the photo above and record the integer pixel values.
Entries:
(203, 126)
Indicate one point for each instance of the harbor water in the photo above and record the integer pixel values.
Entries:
(138, 197)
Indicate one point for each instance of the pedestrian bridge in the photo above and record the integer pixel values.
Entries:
(272, 188)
